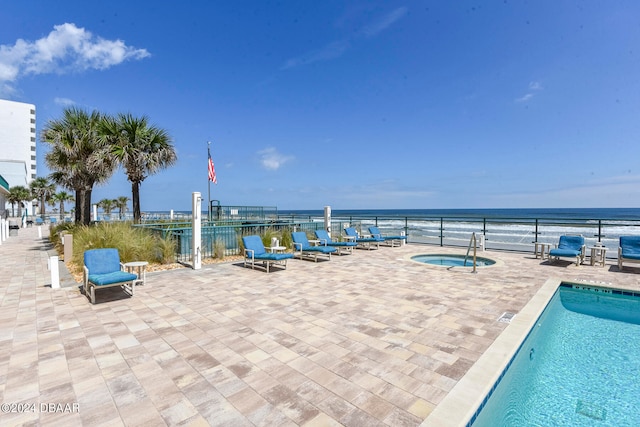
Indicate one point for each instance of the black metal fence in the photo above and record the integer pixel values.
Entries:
(516, 234)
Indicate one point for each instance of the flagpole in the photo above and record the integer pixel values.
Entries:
(209, 181)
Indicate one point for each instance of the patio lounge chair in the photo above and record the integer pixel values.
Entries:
(255, 252)
(375, 232)
(302, 247)
(629, 250)
(103, 269)
(325, 240)
(569, 247)
(363, 242)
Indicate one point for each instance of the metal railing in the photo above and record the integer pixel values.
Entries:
(223, 238)
(501, 233)
(513, 234)
(473, 242)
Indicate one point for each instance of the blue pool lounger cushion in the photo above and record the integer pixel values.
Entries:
(629, 250)
(364, 242)
(302, 248)
(325, 240)
(392, 240)
(255, 252)
(569, 247)
(103, 269)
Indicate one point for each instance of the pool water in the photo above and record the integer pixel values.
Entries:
(452, 260)
(579, 366)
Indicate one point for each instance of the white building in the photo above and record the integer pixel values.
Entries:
(17, 147)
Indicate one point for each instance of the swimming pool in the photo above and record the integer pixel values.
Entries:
(578, 365)
(449, 260)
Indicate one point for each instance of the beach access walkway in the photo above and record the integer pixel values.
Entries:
(369, 339)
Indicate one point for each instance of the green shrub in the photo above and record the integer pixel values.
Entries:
(285, 238)
(219, 249)
(133, 243)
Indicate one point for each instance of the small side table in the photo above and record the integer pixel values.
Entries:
(540, 249)
(598, 255)
(141, 266)
(276, 249)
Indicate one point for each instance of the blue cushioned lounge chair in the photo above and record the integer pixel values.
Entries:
(392, 240)
(363, 242)
(255, 252)
(569, 247)
(629, 250)
(103, 269)
(325, 240)
(303, 249)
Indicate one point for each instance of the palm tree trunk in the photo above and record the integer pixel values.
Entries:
(78, 210)
(86, 207)
(135, 200)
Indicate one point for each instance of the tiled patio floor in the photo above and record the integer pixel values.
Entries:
(362, 340)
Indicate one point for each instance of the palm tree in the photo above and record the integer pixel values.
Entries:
(142, 149)
(121, 204)
(18, 194)
(77, 156)
(62, 197)
(42, 189)
(107, 205)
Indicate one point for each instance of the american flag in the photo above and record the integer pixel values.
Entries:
(212, 171)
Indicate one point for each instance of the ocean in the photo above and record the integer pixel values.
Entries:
(524, 213)
(511, 229)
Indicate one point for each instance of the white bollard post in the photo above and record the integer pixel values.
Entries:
(403, 241)
(55, 273)
(327, 219)
(94, 213)
(67, 242)
(6, 229)
(39, 232)
(196, 228)
(171, 214)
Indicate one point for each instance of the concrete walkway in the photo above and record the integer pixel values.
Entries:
(369, 339)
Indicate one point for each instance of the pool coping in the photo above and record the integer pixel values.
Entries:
(464, 399)
(497, 261)
(457, 408)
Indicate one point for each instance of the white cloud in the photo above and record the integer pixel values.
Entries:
(330, 51)
(66, 49)
(525, 97)
(336, 49)
(533, 87)
(384, 22)
(64, 102)
(271, 159)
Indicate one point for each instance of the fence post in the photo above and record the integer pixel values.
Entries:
(600, 236)
(441, 231)
(406, 227)
(196, 227)
(327, 219)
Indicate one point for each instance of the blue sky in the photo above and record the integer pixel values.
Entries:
(356, 105)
